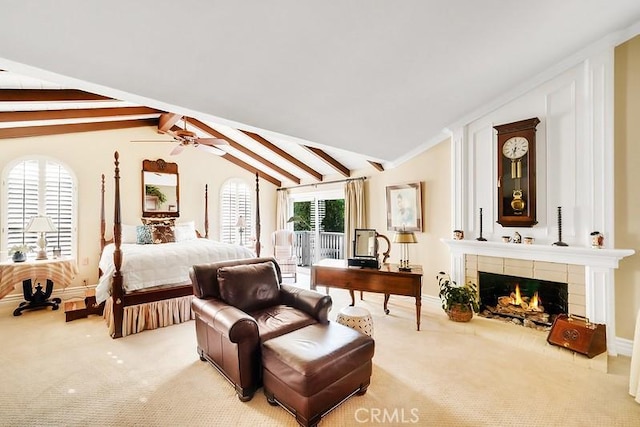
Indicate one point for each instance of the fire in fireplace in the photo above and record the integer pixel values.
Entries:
(529, 302)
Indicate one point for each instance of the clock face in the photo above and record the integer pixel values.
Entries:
(515, 147)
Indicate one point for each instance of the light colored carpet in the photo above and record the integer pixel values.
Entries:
(73, 374)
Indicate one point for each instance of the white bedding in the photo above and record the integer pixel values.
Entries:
(145, 266)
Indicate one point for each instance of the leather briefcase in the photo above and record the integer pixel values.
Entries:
(578, 334)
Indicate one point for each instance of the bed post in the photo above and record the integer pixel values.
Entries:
(103, 223)
(117, 292)
(206, 211)
(257, 216)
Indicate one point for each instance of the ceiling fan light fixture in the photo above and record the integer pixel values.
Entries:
(183, 133)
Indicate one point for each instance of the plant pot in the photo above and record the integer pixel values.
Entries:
(19, 257)
(460, 312)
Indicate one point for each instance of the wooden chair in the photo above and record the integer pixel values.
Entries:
(282, 242)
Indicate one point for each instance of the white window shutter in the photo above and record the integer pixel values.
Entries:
(40, 187)
(235, 200)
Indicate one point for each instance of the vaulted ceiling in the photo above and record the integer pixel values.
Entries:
(301, 90)
(32, 107)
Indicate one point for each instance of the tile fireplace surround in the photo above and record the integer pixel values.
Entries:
(588, 272)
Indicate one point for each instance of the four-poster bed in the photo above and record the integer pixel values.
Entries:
(146, 286)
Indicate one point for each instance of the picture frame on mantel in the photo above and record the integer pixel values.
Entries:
(404, 207)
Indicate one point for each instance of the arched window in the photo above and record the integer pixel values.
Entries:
(236, 216)
(33, 187)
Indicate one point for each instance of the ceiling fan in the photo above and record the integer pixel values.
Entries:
(186, 138)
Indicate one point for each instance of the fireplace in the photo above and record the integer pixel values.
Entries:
(531, 302)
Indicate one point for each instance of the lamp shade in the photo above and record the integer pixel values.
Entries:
(241, 223)
(402, 236)
(41, 224)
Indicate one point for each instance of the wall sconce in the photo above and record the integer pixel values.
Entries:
(404, 238)
(41, 224)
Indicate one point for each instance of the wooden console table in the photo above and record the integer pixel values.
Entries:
(335, 273)
(61, 271)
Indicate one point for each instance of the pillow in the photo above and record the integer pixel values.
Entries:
(162, 234)
(249, 287)
(185, 231)
(129, 234)
(159, 221)
(143, 235)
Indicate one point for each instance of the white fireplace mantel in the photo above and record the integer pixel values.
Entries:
(599, 271)
(604, 258)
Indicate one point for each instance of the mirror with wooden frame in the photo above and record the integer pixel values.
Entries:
(160, 189)
(366, 245)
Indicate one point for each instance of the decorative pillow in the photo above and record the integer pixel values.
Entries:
(143, 235)
(185, 231)
(129, 234)
(249, 287)
(162, 234)
(159, 221)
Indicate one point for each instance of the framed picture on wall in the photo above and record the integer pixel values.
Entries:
(404, 207)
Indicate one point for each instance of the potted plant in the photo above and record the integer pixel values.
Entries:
(18, 253)
(300, 222)
(459, 302)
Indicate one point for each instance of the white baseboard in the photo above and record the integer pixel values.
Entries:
(624, 346)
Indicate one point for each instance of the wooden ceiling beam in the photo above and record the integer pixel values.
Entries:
(28, 131)
(49, 95)
(288, 157)
(236, 161)
(205, 128)
(167, 120)
(74, 113)
(330, 160)
(376, 165)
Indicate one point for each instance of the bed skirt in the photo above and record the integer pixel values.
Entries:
(151, 315)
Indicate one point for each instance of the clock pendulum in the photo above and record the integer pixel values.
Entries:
(517, 203)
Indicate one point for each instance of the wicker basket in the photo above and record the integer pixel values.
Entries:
(460, 313)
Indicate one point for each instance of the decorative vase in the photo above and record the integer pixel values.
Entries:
(19, 257)
(460, 312)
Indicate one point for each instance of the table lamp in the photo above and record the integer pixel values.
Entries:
(241, 224)
(404, 238)
(41, 224)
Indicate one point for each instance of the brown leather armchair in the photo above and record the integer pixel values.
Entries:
(240, 304)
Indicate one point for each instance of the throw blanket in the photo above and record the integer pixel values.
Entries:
(145, 266)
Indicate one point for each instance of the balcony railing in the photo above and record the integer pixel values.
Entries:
(331, 245)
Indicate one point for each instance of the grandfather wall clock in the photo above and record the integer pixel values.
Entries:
(517, 173)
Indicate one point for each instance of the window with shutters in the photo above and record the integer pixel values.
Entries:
(38, 187)
(236, 211)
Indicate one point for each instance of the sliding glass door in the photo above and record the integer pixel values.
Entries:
(319, 226)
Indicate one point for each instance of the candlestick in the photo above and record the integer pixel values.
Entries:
(481, 239)
(560, 242)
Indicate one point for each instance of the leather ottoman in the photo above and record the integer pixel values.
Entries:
(312, 370)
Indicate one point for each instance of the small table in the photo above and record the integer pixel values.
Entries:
(388, 279)
(60, 271)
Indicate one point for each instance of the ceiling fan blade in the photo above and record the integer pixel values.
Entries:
(177, 150)
(210, 149)
(153, 141)
(212, 141)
